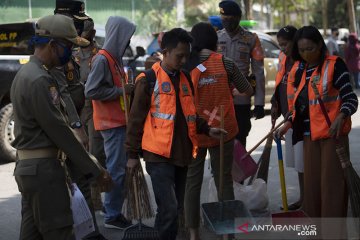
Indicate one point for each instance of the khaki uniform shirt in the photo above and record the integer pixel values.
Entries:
(245, 50)
(40, 120)
(71, 89)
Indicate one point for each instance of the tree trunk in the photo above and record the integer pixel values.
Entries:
(352, 19)
(248, 10)
(324, 16)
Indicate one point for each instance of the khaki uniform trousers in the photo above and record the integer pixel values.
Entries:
(45, 202)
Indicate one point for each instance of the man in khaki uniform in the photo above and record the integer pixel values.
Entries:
(83, 56)
(244, 48)
(41, 132)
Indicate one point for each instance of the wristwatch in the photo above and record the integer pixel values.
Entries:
(76, 124)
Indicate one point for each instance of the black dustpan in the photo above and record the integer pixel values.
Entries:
(140, 231)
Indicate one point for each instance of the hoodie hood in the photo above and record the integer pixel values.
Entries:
(118, 32)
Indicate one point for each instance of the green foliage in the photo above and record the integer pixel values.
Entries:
(337, 14)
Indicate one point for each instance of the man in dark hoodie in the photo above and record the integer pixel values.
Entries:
(104, 87)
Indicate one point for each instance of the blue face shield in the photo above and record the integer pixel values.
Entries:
(66, 55)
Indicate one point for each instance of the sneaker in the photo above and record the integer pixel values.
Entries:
(119, 223)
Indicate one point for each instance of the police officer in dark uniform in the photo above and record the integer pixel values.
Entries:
(72, 91)
(244, 48)
(41, 132)
(83, 56)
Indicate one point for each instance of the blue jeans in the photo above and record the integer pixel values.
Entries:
(168, 183)
(116, 160)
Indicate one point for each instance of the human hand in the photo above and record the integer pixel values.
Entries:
(129, 88)
(258, 112)
(337, 125)
(216, 132)
(105, 181)
(132, 164)
(279, 133)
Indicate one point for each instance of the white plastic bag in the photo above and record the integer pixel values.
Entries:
(254, 196)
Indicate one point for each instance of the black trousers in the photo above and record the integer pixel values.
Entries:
(243, 115)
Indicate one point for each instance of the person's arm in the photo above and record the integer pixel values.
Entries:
(236, 77)
(139, 110)
(257, 68)
(341, 81)
(52, 122)
(72, 115)
(100, 85)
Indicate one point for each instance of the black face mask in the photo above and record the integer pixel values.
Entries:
(230, 25)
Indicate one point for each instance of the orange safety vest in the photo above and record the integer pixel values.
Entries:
(329, 95)
(281, 73)
(212, 89)
(110, 114)
(160, 121)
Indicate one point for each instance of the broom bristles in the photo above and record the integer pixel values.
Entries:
(352, 179)
(129, 208)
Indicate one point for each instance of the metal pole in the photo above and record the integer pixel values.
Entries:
(30, 10)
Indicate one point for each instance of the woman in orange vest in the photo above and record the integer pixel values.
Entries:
(163, 127)
(279, 106)
(212, 75)
(325, 193)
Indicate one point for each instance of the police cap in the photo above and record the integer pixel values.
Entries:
(59, 26)
(75, 8)
(229, 8)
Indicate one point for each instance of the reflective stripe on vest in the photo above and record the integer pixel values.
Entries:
(329, 95)
(160, 121)
(109, 114)
(212, 89)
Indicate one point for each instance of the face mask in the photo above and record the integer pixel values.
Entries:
(311, 57)
(66, 55)
(230, 25)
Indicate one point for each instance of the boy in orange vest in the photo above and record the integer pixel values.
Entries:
(163, 126)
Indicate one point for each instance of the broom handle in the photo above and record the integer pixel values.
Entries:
(125, 100)
(221, 183)
(322, 106)
(267, 135)
(136, 199)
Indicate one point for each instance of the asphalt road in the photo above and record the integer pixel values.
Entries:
(10, 206)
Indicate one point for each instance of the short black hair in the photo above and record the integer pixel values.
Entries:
(311, 33)
(172, 38)
(287, 33)
(204, 36)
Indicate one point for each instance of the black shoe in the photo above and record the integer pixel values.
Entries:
(98, 237)
(119, 223)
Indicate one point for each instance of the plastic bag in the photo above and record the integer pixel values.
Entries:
(254, 196)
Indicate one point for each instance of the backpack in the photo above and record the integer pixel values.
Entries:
(151, 78)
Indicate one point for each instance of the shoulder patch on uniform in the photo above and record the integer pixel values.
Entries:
(185, 89)
(166, 87)
(54, 95)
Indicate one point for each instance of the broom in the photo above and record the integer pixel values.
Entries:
(351, 177)
(263, 163)
(138, 174)
(139, 231)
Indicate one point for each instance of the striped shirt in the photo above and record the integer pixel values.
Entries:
(341, 82)
(235, 77)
